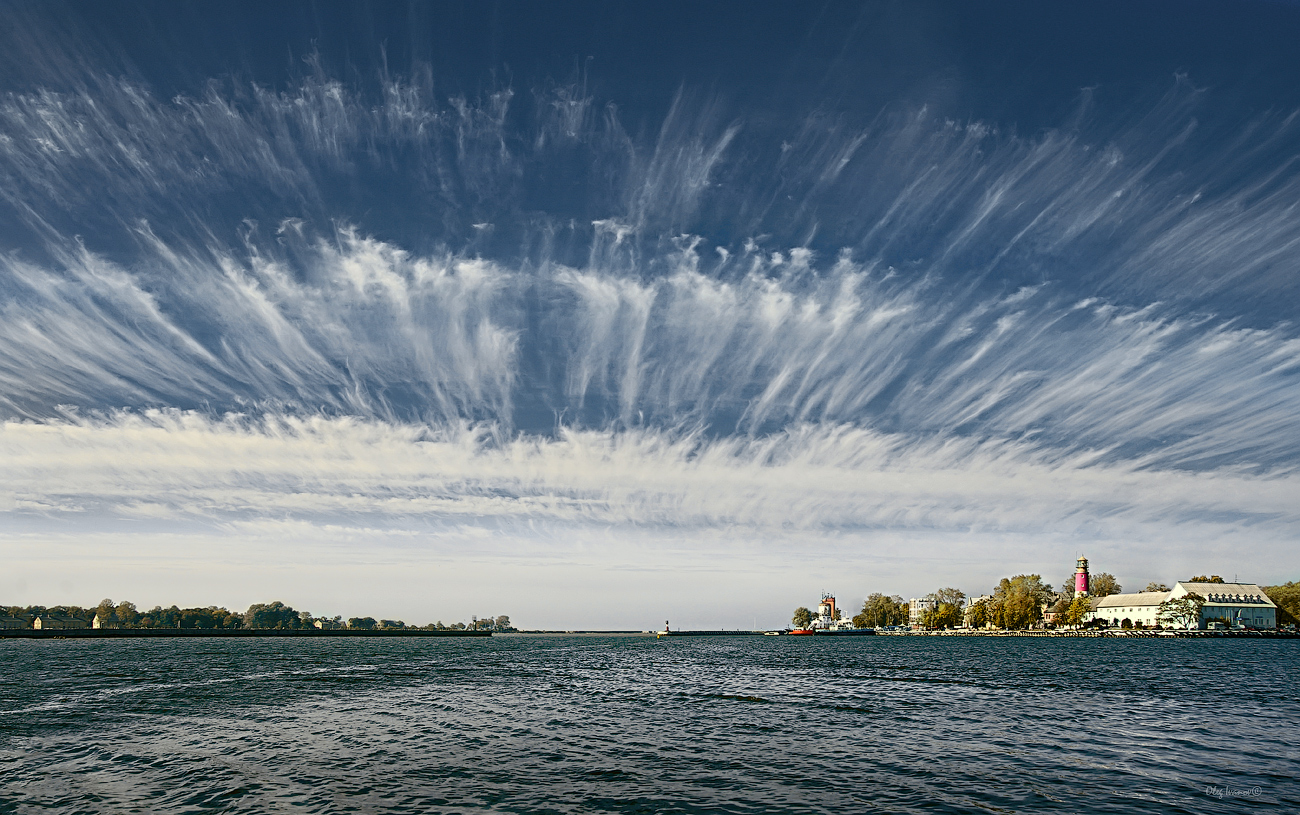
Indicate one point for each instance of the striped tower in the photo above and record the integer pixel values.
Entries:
(1081, 576)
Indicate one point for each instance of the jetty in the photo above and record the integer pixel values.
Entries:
(236, 633)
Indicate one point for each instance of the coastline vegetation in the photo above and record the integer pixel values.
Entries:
(275, 615)
(946, 609)
(1025, 601)
(1287, 598)
(880, 611)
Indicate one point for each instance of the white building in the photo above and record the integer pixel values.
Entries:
(111, 621)
(1242, 605)
(1141, 609)
(50, 621)
(916, 609)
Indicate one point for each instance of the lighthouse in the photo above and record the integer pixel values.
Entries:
(1081, 576)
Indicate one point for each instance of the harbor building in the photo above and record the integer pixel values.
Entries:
(53, 621)
(110, 621)
(1232, 605)
(1141, 608)
(1048, 607)
(1236, 605)
(9, 623)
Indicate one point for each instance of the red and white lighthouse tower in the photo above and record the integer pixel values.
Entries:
(1081, 576)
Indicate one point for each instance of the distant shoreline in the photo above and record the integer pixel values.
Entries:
(1113, 635)
(154, 633)
(244, 633)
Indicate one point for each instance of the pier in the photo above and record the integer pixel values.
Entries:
(155, 633)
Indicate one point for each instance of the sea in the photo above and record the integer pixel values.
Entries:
(631, 724)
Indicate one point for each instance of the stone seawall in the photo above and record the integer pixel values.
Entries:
(148, 633)
(1103, 634)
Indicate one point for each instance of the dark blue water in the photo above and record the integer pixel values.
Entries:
(631, 724)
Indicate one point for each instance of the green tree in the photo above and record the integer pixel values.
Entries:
(1287, 598)
(105, 609)
(1067, 589)
(1018, 601)
(503, 623)
(1154, 586)
(127, 613)
(229, 619)
(879, 611)
(1077, 611)
(364, 623)
(977, 616)
(1061, 606)
(1103, 585)
(1214, 578)
(802, 617)
(1183, 612)
(272, 615)
(945, 610)
(159, 617)
(78, 612)
(195, 618)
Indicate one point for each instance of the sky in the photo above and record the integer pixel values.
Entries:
(604, 314)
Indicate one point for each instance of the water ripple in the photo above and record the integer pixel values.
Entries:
(630, 724)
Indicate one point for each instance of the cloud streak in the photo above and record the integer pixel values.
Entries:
(819, 478)
(412, 316)
(759, 343)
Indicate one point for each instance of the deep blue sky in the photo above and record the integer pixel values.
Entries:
(1020, 67)
(1018, 63)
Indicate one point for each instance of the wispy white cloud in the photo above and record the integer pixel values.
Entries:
(163, 492)
(814, 477)
(364, 328)
(911, 330)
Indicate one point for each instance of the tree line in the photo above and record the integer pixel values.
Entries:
(274, 615)
(1287, 598)
(1020, 602)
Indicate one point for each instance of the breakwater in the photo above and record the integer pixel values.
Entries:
(708, 633)
(1104, 634)
(1040, 634)
(223, 633)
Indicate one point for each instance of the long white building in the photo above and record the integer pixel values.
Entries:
(1141, 609)
(1232, 604)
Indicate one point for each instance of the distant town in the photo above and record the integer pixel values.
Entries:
(273, 616)
(1024, 602)
(1085, 601)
